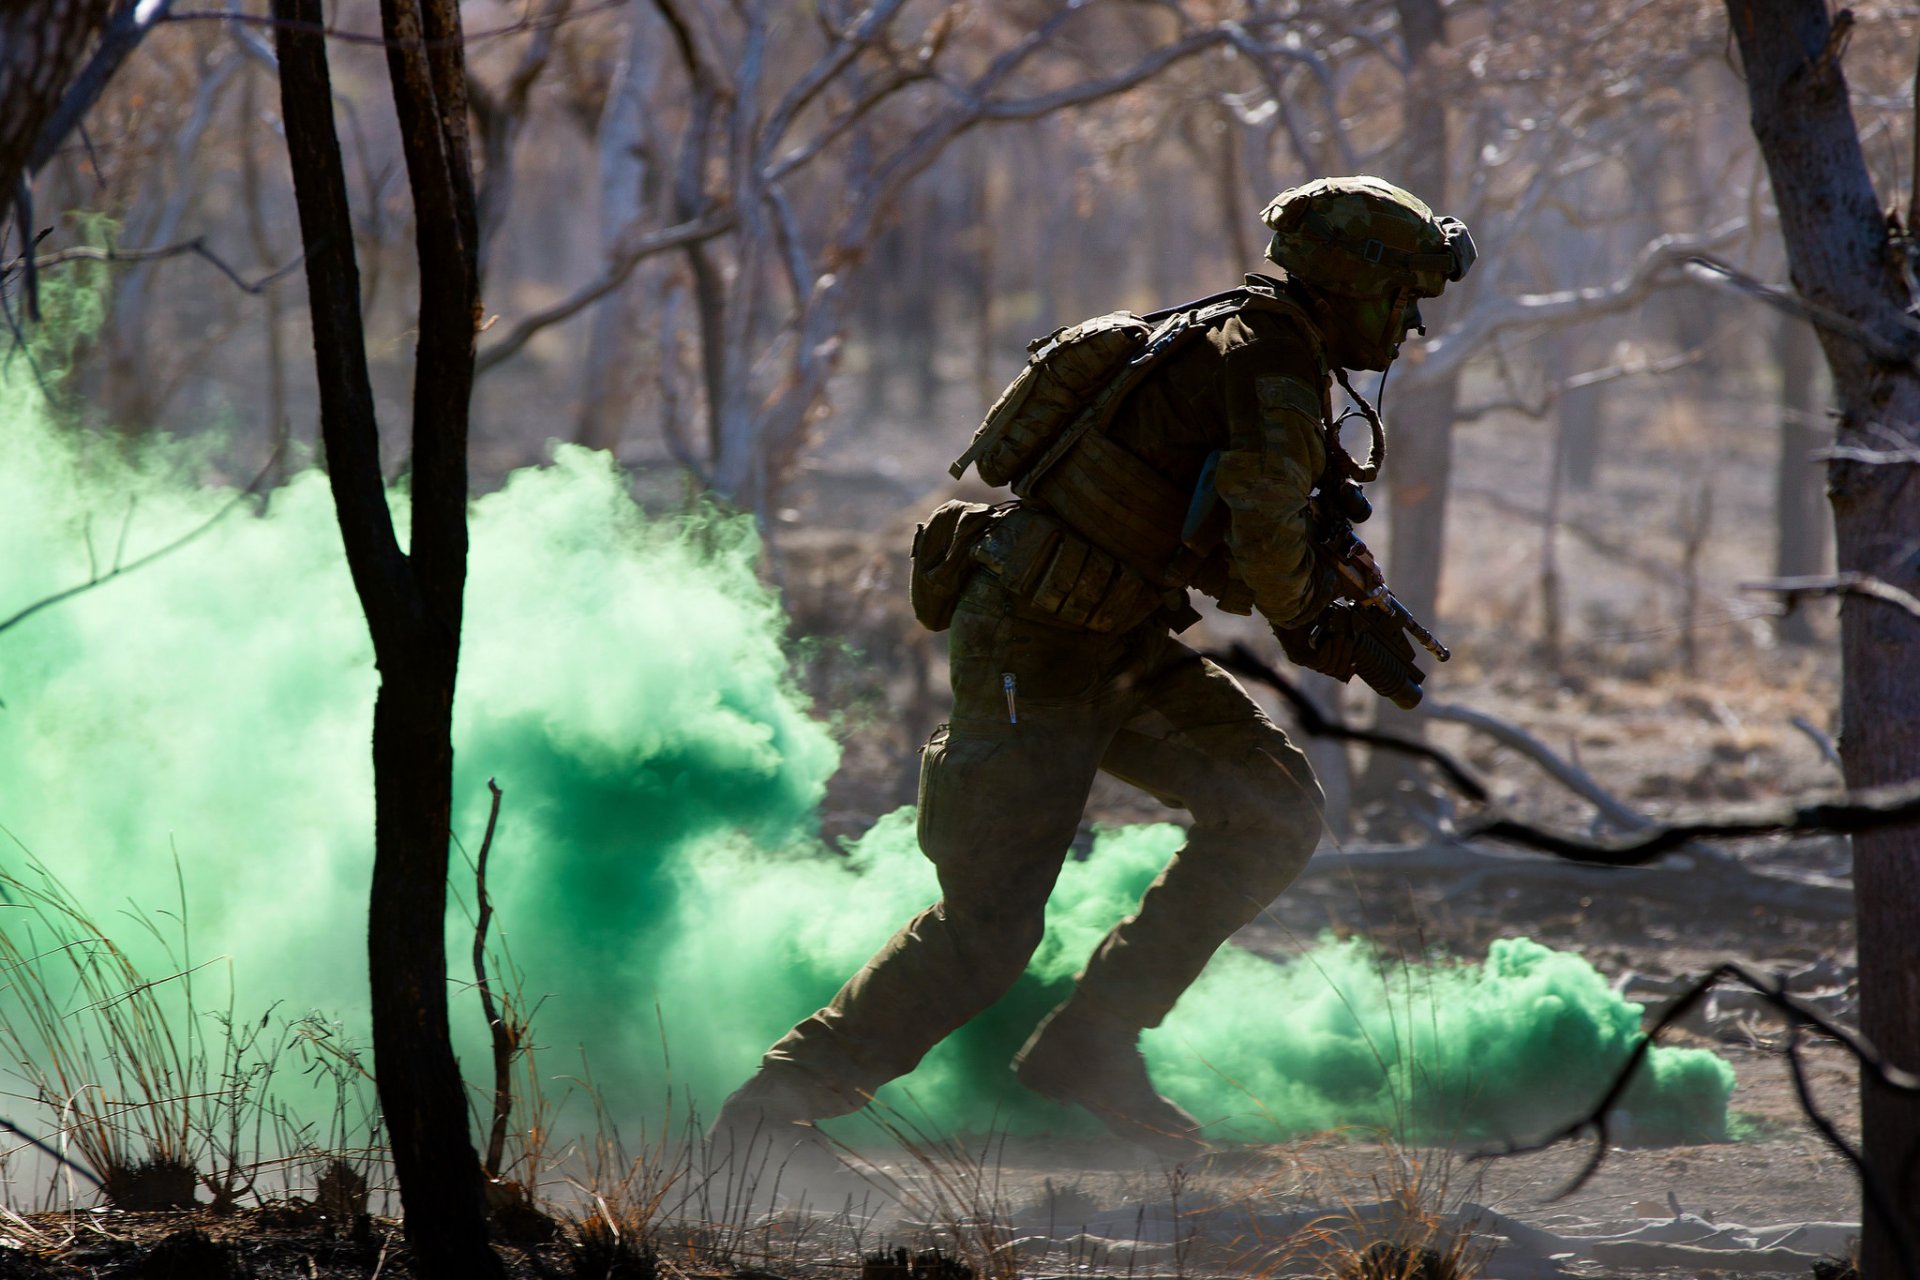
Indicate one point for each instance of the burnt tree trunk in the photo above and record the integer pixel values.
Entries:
(412, 599)
(1839, 257)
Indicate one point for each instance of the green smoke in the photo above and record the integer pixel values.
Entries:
(657, 870)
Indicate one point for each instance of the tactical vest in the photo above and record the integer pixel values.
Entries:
(1046, 436)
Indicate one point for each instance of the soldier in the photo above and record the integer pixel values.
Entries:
(1204, 469)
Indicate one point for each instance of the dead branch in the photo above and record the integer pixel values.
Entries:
(1653, 269)
(629, 256)
(1794, 590)
(196, 247)
(1845, 813)
(1713, 271)
(1574, 779)
(1868, 457)
(46, 1148)
(503, 1034)
(96, 579)
(1800, 1015)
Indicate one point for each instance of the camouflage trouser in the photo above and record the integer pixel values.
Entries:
(1000, 804)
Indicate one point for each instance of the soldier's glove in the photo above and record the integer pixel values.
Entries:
(1349, 640)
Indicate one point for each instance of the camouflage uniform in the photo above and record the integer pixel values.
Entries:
(1001, 801)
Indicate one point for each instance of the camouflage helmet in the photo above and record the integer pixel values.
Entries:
(1361, 236)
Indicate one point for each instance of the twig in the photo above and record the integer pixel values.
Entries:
(100, 580)
(1800, 1015)
(196, 246)
(1793, 590)
(503, 1037)
(1820, 738)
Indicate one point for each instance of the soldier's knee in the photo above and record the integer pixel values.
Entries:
(995, 939)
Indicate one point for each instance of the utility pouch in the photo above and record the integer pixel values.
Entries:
(942, 559)
(1054, 575)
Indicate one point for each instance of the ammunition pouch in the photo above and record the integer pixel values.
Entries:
(1055, 575)
(942, 558)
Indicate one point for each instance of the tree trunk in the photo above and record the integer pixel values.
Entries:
(1800, 533)
(1839, 258)
(412, 599)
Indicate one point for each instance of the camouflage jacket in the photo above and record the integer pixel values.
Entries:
(1255, 387)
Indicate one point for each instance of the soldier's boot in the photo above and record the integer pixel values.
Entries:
(1083, 1059)
(770, 1119)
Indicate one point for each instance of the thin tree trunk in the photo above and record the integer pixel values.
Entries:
(1838, 256)
(412, 599)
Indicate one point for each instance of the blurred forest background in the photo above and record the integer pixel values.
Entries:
(787, 254)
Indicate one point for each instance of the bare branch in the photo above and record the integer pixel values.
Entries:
(1652, 270)
(197, 247)
(1713, 271)
(1793, 590)
(1869, 457)
(1863, 810)
(1565, 773)
(501, 1032)
(626, 258)
(118, 569)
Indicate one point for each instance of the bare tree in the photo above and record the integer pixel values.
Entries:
(1853, 263)
(412, 598)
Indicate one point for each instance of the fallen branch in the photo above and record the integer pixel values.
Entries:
(1793, 590)
(1845, 813)
(1562, 771)
(1800, 1015)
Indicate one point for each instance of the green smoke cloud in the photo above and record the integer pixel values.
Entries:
(657, 863)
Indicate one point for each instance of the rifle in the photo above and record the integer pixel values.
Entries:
(1333, 511)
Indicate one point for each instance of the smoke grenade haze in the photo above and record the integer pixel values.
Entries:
(657, 871)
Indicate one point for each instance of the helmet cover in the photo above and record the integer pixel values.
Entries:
(1362, 236)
